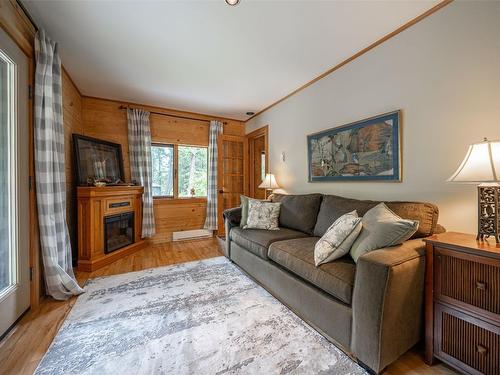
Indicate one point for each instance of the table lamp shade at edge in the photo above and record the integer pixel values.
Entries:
(480, 165)
(269, 182)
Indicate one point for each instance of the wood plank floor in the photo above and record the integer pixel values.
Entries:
(25, 345)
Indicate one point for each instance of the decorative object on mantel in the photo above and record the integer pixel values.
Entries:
(366, 150)
(482, 165)
(269, 183)
(97, 161)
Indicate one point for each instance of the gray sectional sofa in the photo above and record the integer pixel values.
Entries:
(372, 309)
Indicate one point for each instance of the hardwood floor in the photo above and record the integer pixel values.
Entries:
(26, 344)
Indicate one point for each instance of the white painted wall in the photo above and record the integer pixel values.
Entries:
(444, 73)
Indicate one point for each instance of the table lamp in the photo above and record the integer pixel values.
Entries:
(482, 165)
(269, 183)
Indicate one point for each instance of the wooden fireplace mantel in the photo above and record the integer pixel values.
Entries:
(96, 203)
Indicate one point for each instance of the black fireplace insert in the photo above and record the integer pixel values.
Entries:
(118, 231)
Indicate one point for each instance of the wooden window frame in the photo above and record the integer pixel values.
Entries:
(175, 195)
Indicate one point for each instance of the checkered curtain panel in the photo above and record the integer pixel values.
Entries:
(50, 172)
(211, 219)
(139, 147)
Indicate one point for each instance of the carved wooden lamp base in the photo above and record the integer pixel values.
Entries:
(488, 223)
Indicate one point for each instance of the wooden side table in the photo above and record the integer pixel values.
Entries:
(462, 303)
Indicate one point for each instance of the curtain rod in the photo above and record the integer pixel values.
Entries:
(124, 107)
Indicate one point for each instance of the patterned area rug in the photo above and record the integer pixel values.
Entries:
(203, 317)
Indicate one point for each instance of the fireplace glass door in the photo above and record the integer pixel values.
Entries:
(118, 231)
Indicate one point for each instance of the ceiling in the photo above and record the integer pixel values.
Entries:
(207, 57)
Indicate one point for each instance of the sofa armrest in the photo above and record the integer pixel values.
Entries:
(388, 303)
(232, 218)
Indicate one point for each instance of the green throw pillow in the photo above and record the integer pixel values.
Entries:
(381, 228)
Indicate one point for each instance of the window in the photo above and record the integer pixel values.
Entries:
(189, 175)
(162, 159)
(192, 171)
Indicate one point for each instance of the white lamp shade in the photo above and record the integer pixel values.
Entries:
(481, 164)
(269, 182)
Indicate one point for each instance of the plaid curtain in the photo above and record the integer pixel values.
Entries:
(139, 147)
(50, 172)
(211, 219)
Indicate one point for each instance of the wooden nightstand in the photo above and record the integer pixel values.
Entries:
(462, 303)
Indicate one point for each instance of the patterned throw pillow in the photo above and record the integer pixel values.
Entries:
(382, 228)
(262, 215)
(338, 239)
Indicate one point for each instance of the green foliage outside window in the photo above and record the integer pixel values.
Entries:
(192, 169)
(162, 159)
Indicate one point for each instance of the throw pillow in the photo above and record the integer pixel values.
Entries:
(382, 228)
(262, 215)
(338, 239)
(244, 210)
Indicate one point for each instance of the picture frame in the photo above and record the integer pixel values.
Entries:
(365, 150)
(97, 160)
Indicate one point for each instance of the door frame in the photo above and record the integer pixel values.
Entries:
(21, 30)
(17, 299)
(220, 178)
(251, 137)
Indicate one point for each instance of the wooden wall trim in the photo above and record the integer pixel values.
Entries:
(165, 110)
(17, 24)
(385, 38)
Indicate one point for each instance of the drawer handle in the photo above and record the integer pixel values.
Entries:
(481, 349)
(480, 285)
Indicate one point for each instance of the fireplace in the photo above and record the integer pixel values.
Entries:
(118, 231)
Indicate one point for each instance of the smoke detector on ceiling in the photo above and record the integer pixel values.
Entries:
(232, 2)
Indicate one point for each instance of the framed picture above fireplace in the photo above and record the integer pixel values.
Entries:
(366, 150)
(97, 160)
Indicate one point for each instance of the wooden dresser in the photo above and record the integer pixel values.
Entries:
(462, 303)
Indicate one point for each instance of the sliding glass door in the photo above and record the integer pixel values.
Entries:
(14, 194)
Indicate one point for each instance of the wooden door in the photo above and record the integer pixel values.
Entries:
(232, 180)
(258, 161)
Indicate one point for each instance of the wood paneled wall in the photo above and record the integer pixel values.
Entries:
(73, 123)
(104, 119)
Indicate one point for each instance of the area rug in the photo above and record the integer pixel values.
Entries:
(203, 317)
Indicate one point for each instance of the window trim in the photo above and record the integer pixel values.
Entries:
(175, 196)
(172, 146)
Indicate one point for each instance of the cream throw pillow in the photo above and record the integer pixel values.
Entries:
(382, 228)
(262, 215)
(338, 239)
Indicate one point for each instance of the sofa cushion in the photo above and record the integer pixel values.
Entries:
(297, 256)
(257, 241)
(333, 207)
(298, 212)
